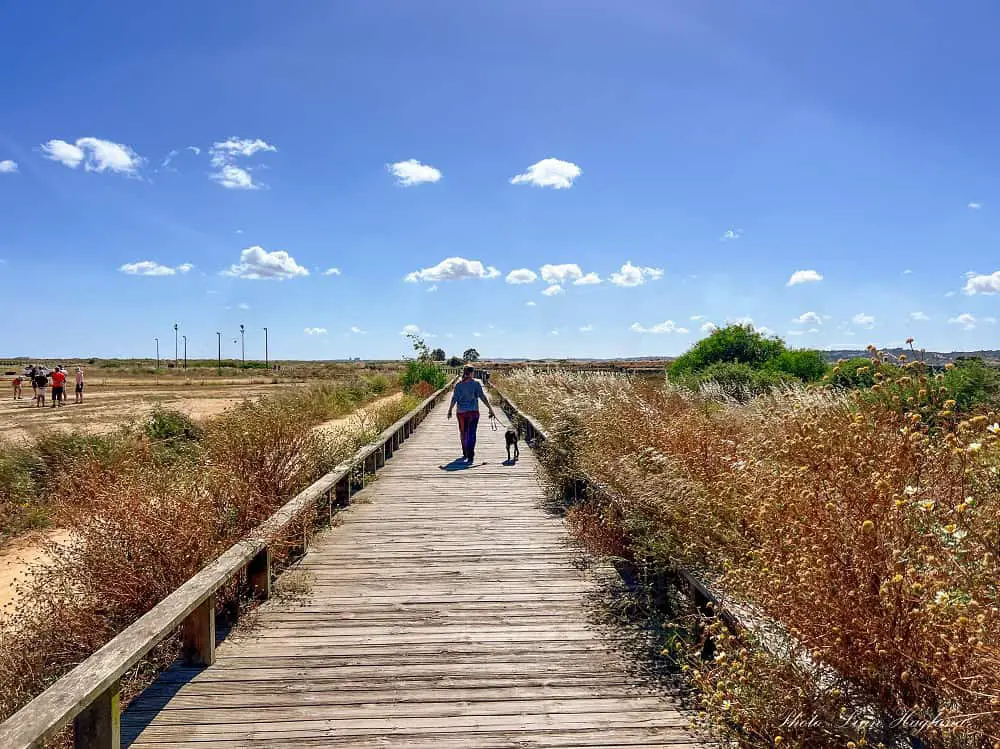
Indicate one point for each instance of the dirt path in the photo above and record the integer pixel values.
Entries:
(18, 557)
(340, 421)
(106, 408)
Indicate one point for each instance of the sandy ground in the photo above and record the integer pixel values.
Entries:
(106, 407)
(21, 554)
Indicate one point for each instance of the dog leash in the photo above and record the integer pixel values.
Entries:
(494, 423)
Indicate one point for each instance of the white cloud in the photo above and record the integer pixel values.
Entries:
(522, 275)
(65, 153)
(8, 167)
(667, 326)
(234, 178)
(531, 304)
(194, 149)
(554, 331)
(553, 290)
(477, 334)
(808, 317)
(708, 327)
(256, 263)
(966, 320)
(804, 276)
(975, 206)
(412, 172)
(587, 279)
(223, 155)
(223, 152)
(243, 305)
(152, 268)
(357, 331)
(907, 272)
(453, 269)
(764, 330)
(410, 330)
(982, 284)
(800, 332)
(168, 158)
(863, 320)
(432, 289)
(696, 318)
(315, 331)
(95, 154)
(919, 316)
(553, 173)
(332, 272)
(732, 234)
(586, 328)
(989, 320)
(561, 273)
(633, 275)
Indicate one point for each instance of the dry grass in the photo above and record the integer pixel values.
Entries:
(868, 532)
(148, 515)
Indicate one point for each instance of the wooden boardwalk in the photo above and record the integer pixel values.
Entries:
(445, 611)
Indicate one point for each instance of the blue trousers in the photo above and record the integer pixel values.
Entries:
(467, 425)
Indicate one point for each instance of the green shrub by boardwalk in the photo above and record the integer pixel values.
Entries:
(142, 525)
(740, 363)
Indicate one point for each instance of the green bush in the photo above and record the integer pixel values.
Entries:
(165, 425)
(737, 380)
(971, 383)
(423, 370)
(807, 365)
(858, 372)
(733, 343)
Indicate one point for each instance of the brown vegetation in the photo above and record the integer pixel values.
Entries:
(867, 531)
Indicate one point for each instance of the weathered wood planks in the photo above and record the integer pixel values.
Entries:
(447, 610)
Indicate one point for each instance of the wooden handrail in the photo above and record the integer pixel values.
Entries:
(739, 619)
(89, 694)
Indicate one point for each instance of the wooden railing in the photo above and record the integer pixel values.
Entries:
(89, 695)
(739, 619)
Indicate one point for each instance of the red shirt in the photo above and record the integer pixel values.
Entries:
(58, 379)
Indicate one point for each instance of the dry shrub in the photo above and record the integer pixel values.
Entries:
(143, 522)
(869, 534)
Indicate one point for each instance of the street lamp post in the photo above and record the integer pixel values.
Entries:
(175, 345)
(267, 362)
(185, 351)
(243, 351)
(157, 352)
(219, 334)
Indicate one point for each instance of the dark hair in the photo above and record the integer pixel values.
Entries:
(467, 370)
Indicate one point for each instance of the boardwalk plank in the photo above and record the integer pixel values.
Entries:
(447, 610)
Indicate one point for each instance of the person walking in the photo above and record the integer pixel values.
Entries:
(466, 399)
(32, 374)
(79, 385)
(17, 387)
(58, 387)
(41, 381)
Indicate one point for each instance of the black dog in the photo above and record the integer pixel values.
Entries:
(511, 437)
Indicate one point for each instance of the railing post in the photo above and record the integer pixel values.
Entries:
(259, 574)
(343, 490)
(99, 725)
(380, 457)
(199, 634)
(369, 466)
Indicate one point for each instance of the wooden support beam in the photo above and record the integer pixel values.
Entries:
(342, 492)
(199, 634)
(99, 725)
(380, 457)
(259, 574)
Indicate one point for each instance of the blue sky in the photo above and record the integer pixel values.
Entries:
(693, 157)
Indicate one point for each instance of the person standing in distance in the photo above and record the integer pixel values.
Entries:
(466, 399)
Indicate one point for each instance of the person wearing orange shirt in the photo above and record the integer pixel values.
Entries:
(58, 387)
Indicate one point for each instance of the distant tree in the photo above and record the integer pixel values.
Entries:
(471, 355)
(737, 343)
(455, 362)
(419, 347)
(438, 354)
